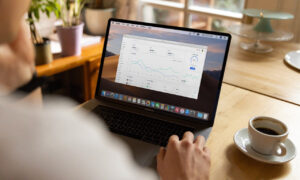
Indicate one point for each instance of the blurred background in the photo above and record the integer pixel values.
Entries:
(199, 14)
(215, 15)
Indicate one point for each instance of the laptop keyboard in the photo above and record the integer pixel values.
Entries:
(140, 127)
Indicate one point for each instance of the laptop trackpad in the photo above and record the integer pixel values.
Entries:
(143, 153)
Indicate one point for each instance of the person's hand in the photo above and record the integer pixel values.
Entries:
(184, 160)
(16, 61)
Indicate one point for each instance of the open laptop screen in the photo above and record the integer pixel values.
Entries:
(171, 70)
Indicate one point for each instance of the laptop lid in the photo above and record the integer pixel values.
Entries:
(169, 70)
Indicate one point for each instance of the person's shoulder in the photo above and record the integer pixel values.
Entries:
(69, 138)
(55, 112)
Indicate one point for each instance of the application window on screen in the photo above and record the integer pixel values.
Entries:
(161, 65)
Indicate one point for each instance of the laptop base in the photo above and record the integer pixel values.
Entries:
(143, 153)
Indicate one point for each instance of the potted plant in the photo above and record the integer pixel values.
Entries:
(97, 14)
(42, 45)
(70, 32)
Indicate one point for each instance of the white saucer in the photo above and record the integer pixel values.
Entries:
(243, 144)
(293, 59)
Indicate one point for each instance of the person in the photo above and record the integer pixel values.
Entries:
(58, 142)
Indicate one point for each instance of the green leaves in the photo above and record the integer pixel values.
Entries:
(44, 6)
(37, 7)
(67, 10)
(70, 11)
(36, 13)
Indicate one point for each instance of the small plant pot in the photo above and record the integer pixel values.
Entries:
(96, 19)
(43, 52)
(70, 39)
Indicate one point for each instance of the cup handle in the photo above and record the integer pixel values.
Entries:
(282, 151)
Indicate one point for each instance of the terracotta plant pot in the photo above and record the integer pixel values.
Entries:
(70, 39)
(96, 20)
(43, 53)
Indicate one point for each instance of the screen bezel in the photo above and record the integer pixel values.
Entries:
(211, 120)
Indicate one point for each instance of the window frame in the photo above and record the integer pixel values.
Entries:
(187, 9)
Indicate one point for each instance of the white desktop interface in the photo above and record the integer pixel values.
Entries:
(160, 65)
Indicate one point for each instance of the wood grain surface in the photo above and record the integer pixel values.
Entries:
(236, 107)
(264, 73)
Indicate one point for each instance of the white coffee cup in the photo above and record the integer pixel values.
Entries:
(267, 134)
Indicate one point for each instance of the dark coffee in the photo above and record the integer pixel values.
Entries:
(267, 131)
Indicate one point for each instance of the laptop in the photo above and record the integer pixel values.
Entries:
(155, 81)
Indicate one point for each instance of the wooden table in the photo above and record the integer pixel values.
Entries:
(261, 84)
(264, 73)
(61, 64)
(89, 60)
(236, 107)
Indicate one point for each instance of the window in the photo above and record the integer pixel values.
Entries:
(200, 14)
